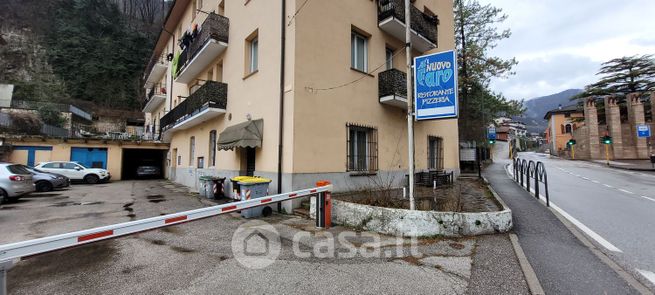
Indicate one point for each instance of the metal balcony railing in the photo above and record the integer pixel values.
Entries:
(424, 24)
(158, 89)
(214, 27)
(210, 95)
(392, 82)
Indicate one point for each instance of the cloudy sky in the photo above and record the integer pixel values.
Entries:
(560, 43)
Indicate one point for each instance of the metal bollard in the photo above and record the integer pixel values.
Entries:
(323, 208)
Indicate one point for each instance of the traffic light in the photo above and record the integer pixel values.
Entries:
(492, 141)
(606, 139)
(571, 142)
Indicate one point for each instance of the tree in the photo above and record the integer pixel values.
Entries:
(476, 33)
(624, 75)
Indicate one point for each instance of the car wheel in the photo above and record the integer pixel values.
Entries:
(43, 186)
(3, 196)
(91, 179)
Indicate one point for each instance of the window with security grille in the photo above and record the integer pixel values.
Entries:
(212, 148)
(435, 153)
(362, 148)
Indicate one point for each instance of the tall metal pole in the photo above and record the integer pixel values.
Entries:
(410, 106)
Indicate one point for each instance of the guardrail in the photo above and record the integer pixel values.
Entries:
(531, 170)
(20, 250)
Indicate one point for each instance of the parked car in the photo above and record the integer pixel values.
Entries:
(75, 171)
(15, 181)
(146, 171)
(46, 181)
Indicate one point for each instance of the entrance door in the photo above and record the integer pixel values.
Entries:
(248, 161)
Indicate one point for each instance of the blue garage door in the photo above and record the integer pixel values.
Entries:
(90, 157)
(31, 152)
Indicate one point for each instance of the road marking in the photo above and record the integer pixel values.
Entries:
(584, 228)
(648, 275)
(607, 185)
(647, 198)
(595, 181)
(585, 178)
(626, 191)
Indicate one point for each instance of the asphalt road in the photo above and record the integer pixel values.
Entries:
(616, 208)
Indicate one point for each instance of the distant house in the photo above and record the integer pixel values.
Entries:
(561, 123)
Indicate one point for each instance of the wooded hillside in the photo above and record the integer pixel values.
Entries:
(89, 50)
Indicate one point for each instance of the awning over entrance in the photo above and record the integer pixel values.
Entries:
(246, 134)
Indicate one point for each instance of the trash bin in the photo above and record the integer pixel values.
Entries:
(211, 187)
(253, 188)
(203, 182)
(218, 187)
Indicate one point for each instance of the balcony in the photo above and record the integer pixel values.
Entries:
(210, 42)
(391, 19)
(392, 88)
(156, 96)
(208, 102)
(155, 71)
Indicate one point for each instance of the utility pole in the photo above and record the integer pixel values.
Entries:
(410, 106)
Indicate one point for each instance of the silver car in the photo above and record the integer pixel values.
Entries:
(15, 181)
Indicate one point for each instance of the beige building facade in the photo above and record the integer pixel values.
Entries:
(318, 89)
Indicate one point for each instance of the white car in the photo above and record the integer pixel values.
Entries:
(75, 171)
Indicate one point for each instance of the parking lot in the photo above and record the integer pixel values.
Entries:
(199, 257)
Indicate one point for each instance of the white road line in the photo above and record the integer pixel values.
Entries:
(585, 178)
(626, 191)
(648, 275)
(595, 181)
(647, 198)
(607, 185)
(584, 228)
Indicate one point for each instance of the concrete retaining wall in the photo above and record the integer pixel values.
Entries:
(401, 222)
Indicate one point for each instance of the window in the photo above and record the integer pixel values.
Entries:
(179, 160)
(212, 148)
(435, 153)
(389, 58)
(70, 165)
(252, 53)
(52, 165)
(568, 128)
(359, 52)
(192, 150)
(201, 162)
(362, 148)
(18, 169)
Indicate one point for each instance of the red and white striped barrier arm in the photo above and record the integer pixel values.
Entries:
(52, 243)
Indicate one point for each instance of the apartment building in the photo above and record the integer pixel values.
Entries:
(295, 90)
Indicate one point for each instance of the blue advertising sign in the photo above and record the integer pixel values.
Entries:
(643, 131)
(435, 86)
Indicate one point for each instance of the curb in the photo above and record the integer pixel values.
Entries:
(528, 271)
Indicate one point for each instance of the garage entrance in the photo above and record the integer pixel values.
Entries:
(146, 159)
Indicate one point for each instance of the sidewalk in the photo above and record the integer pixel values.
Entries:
(635, 165)
(562, 263)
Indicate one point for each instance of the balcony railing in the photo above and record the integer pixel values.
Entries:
(211, 95)
(423, 24)
(392, 88)
(392, 82)
(215, 27)
(156, 90)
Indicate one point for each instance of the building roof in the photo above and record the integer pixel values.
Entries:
(568, 109)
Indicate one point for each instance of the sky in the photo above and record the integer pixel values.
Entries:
(560, 44)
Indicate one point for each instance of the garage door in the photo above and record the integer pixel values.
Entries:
(90, 157)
